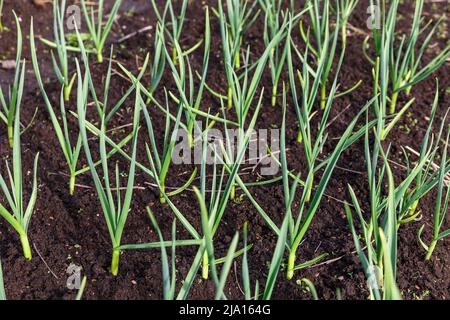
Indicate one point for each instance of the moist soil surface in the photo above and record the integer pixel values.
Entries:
(71, 229)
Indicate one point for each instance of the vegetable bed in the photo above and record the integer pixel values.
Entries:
(253, 241)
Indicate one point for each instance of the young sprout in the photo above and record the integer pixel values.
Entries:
(382, 67)
(162, 163)
(240, 16)
(13, 98)
(274, 266)
(299, 224)
(245, 269)
(102, 107)
(233, 26)
(60, 124)
(427, 178)
(1, 15)
(385, 281)
(62, 132)
(81, 289)
(209, 213)
(184, 80)
(442, 200)
(310, 81)
(170, 135)
(325, 40)
(346, 9)
(159, 61)
(324, 43)
(243, 90)
(60, 45)
(309, 287)
(98, 29)
(244, 87)
(277, 259)
(419, 179)
(272, 25)
(169, 273)
(400, 64)
(409, 59)
(169, 276)
(207, 219)
(115, 208)
(19, 213)
(390, 63)
(214, 213)
(176, 23)
(379, 230)
(387, 213)
(212, 217)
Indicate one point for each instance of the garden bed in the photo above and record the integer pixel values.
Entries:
(71, 229)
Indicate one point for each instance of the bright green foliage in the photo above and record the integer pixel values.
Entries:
(174, 26)
(61, 65)
(98, 29)
(1, 15)
(399, 64)
(239, 16)
(19, 213)
(115, 208)
(14, 96)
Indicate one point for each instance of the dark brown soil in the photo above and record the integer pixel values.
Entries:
(67, 229)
